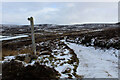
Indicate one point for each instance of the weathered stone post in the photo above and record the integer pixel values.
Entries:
(32, 33)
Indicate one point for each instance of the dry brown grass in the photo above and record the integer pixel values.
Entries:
(7, 52)
(25, 50)
(10, 48)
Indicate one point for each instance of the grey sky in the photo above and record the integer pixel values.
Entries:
(59, 13)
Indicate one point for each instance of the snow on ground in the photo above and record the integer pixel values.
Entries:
(93, 30)
(10, 38)
(8, 58)
(96, 63)
(58, 62)
(63, 68)
(59, 65)
(93, 63)
(2, 36)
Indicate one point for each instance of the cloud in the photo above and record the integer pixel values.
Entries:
(70, 5)
(23, 10)
(46, 10)
(43, 11)
(60, 0)
(40, 15)
(60, 13)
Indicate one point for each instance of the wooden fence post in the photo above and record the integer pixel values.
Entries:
(32, 34)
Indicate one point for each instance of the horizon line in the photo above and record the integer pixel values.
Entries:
(65, 24)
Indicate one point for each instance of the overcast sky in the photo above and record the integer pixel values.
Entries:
(59, 12)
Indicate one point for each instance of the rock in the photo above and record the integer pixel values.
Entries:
(21, 58)
(45, 53)
(27, 59)
(33, 56)
(66, 70)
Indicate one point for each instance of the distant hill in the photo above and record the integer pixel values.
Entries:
(55, 26)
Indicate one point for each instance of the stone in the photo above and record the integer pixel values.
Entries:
(27, 59)
(45, 53)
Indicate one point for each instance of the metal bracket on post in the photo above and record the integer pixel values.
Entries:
(32, 33)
